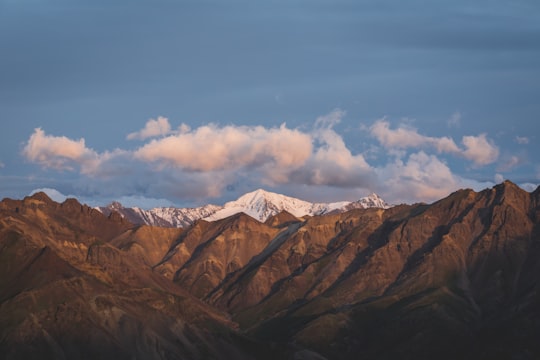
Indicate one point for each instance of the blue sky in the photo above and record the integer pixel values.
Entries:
(324, 100)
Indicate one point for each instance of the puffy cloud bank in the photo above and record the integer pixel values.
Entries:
(202, 162)
(211, 148)
(478, 149)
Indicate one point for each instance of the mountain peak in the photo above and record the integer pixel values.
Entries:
(41, 196)
(260, 204)
(258, 195)
(115, 205)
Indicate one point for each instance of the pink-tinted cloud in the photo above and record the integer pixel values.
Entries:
(153, 128)
(332, 163)
(210, 148)
(57, 152)
(480, 150)
(421, 177)
(402, 138)
(202, 162)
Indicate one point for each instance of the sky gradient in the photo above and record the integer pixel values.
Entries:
(184, 103)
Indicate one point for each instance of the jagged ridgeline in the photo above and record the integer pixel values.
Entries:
(259, 204)
(456, 279)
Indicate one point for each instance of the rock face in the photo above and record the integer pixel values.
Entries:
(459, 278)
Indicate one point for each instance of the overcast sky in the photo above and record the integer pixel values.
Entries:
(190, 102)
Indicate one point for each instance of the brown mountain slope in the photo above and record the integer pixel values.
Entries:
(459, 278)
(66, 292)
(448, 280)
(282, 219)
(444, 272)
(147, 243)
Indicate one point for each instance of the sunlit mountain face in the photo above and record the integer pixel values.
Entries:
(457, 278)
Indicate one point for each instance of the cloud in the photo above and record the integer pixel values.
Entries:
(210, 148)
(57, 152)
(510, 162)
(153, 128)
(330, 120)
(522, 140)
(480, 150)
(455, 120)
(422, 177)
(402, 138)
(530, 187)
(189, 165)
(332, 163)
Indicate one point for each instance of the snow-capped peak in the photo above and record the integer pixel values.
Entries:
(372, 200)
(259, 204)
(115, 205)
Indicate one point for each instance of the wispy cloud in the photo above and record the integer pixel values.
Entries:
(510, 162)
(455, 120)
(153, 128)
(522, 140)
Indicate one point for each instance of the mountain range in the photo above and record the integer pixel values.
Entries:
(455, 279)
(259, 204)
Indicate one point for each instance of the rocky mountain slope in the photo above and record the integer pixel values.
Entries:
(259, 204)
(70, 290)
(459, 278)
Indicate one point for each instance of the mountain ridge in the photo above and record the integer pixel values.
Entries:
(259, 204)
(457, 278)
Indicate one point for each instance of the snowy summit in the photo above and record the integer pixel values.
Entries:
(259, 204)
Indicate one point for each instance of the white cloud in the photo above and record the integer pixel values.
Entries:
(402, 138)
(57, 152)
(499, 178)
(480, 150)
(522, 140)
(422, 177)
(196, 164)
(153, 128)
(332, 163)
(210, 148)
(530, 187)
